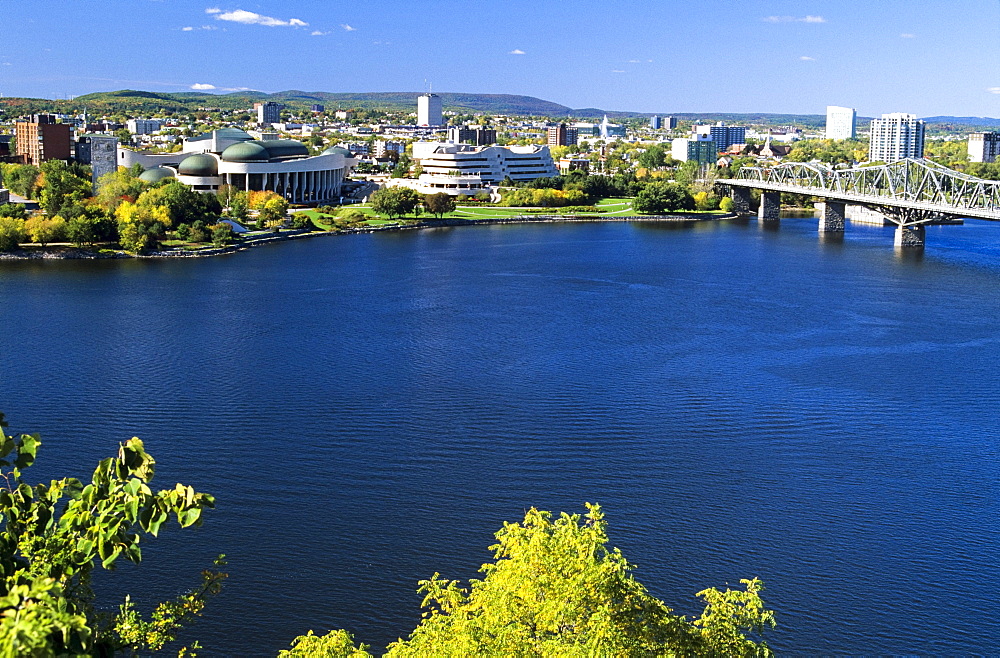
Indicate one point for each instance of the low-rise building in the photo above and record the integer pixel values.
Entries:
(42, 139)
(143, 126)
(232, 157)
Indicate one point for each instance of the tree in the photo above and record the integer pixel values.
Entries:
(140, 227)
(60, 187)
(556, 589)
(55, 534)
(44, 230)
(222, 234)
(660, 197)
(184, 205)
(20, 179)
(117, 186)
(394, 201)
(273, 212)
(439, 204)
(11, 233)
(653, 158)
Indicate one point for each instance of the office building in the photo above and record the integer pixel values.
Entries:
(896, 136)
(475, 135)
(98, 151)
(984, 147)
(42, 139)
(381, 148)
(699, 147)
(143, 126)
(316, 109)
(429, 110)
(841, 122)
(561, 135)
(724, 136)
(669, 122)
(269, 112)
(655, 123)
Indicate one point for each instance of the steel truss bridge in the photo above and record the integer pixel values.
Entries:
(909, 192)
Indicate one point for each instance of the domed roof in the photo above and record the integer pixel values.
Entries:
(285, 148)
(232, 133)
(199, 164)
(245, 152)
(338, 150)
(156, 174)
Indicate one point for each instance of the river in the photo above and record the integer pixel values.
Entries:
(369, 409)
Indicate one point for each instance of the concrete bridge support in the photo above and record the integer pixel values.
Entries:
(770, 206)
(741, 200)
(832, 217)
(910, 236)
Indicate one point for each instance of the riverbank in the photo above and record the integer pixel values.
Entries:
(74, 253)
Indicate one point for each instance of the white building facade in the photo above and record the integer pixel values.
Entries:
(429, 111)
(896, 136)
(465, 169)
(231, 157)
(841, 122)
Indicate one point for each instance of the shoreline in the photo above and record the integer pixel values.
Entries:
(75, 253)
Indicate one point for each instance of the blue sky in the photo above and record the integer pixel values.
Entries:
(928, 57)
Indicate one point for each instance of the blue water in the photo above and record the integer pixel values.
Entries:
(369, 409)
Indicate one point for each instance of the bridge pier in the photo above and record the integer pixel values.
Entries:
(770, 206)
(832, 217)
(908, 236)
(741, 200)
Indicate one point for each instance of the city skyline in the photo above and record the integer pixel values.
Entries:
(767, 56)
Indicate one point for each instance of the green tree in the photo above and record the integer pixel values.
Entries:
(439, 204)
(402, 168)
(20, 179)
(117, 186)
(556, 589)
(11, 233)
(660, 197)
(653, 158)
(222, 234)
(184, 205)
(55, 534)
(394, 201)
(60, 187)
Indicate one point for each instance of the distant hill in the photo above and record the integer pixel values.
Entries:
(136, 102)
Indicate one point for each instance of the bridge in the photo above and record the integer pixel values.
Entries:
(910, 193)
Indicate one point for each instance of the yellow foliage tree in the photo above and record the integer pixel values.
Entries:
(140, 226)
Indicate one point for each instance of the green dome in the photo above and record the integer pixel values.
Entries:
(338, 150)
(200, 164)
(156, 174)
(246, 152)
(285, 148)
(232, 133)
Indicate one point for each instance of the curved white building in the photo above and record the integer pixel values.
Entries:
(231, 157)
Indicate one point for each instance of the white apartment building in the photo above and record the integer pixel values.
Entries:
(984, 147)
(143, 126)
(896, 136)
(841, 122)
(429, 110)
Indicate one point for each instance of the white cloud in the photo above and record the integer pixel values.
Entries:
(794, 19)
(317, 33)
(213, 10)
(201, 86)
(186, 29)
(807, 58)
(7, 64)
(617, 71)
(516, 51)
(251, 18)
(907, 35)
(348, 28)
(203, 27)
(993, 90)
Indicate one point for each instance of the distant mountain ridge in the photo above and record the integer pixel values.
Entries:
(137, 101)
